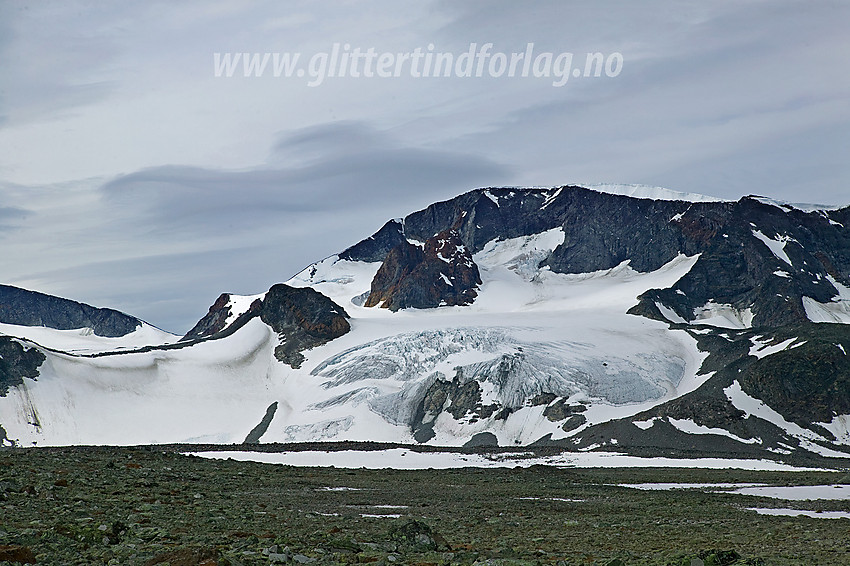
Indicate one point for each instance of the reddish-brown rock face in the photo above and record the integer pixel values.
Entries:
(213, 321)
(439, 273)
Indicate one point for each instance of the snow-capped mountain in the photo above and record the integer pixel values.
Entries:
(626, 318)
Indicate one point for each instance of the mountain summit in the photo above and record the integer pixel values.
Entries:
(624, 318)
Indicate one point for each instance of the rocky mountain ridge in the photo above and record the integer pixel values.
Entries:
(562, 316)
(30, 308)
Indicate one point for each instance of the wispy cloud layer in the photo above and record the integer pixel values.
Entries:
(163, 242)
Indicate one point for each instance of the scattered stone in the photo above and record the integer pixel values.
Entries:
(418, 536)
(186, 557)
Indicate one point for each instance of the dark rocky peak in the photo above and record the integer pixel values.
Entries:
(602, 230)
(215, 321)
(478, 216)
(30, 308)
(758, 256)
(303, 318)
(483, 215)
(440, 272)
(375, 247)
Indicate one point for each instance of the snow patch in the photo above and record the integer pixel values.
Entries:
(82, 341)
(645, 425)
(799, 492)
(690, 427)
(665, 486)
(521, 255)
(763, 348)
(800, 513)
(669, 313)
(651, 193)
(777, 246)
(211, 392)
(840, 428)
(723, 316)
(803, 207)
(550, 198)
(755, 407)
(834, 312)
(239, 304)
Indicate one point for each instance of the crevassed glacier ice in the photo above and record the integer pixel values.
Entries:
(514, 369)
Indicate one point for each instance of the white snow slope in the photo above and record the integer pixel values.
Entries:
(540, 331)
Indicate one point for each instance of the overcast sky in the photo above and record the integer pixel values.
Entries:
(132, 177)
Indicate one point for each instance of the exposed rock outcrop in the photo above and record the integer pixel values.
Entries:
(303, 318)
(16, 363)
(439, 273)
(215, 321)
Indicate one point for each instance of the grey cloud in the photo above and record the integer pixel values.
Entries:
(738, 99)
(11, 217)
(346, 167)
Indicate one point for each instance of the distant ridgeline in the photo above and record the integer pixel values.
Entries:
(29, 308)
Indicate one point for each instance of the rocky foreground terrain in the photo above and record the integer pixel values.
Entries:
(154, 506)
